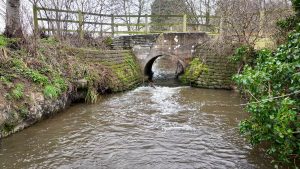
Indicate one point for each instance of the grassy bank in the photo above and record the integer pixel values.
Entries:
(31, 81)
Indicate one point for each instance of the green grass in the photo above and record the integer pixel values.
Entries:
(92, 95)
(18, 92)
(51, 92)
(50, 41)
(23, 112)
(3, 41)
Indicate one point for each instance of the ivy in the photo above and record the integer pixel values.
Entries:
(272, 86)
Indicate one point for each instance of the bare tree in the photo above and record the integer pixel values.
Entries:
(13, 20)
(140, 6)
(249, 20)
(2, 8)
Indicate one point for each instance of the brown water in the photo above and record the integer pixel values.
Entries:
(162, 128)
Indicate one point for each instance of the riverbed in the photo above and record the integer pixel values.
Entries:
(163, 127)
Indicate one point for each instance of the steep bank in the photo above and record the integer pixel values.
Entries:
(37, 84)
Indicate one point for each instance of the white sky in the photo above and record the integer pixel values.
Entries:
(28, 10)
(1, 25)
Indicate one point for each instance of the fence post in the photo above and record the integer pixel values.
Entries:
(112, 25)
(146, 24)
(184, 23)
(80, 20)
(221, 28)
(262, 16)
(58, 24)
(35, 18)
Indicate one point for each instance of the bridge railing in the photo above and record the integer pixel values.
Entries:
(58, 21)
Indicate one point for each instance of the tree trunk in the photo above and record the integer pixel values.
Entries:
(13, 27)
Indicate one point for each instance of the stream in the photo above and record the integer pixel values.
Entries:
(162, 127)
(166, 127)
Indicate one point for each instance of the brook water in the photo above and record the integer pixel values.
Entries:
(157, 128)
(166, 127)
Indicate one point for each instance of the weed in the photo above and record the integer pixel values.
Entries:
(3, 40)
(6, 80)
(37, 77)
(18, 64)
(60, 83)
(18, 92)
(51, 92)
(23, 112)
(8, 127)
(92, 95)
(50, 41)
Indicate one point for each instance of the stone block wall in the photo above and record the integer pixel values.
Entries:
(122, 63)
(220, 69)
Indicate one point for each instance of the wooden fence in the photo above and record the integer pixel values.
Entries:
(183, 23)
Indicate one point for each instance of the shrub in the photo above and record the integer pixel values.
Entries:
(242, 56)
(273, 88)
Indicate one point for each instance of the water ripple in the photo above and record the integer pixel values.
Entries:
(150, 128)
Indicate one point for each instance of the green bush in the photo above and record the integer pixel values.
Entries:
(273, 88)
(242, 56)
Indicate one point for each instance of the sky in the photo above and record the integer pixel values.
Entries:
(2, 23)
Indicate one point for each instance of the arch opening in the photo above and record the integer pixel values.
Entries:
(148, 69)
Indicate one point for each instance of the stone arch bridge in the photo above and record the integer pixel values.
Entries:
(147, 48)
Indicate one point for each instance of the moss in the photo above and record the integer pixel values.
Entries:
(193, 71)
(23, 112)
(8, 127)
(126, 73)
